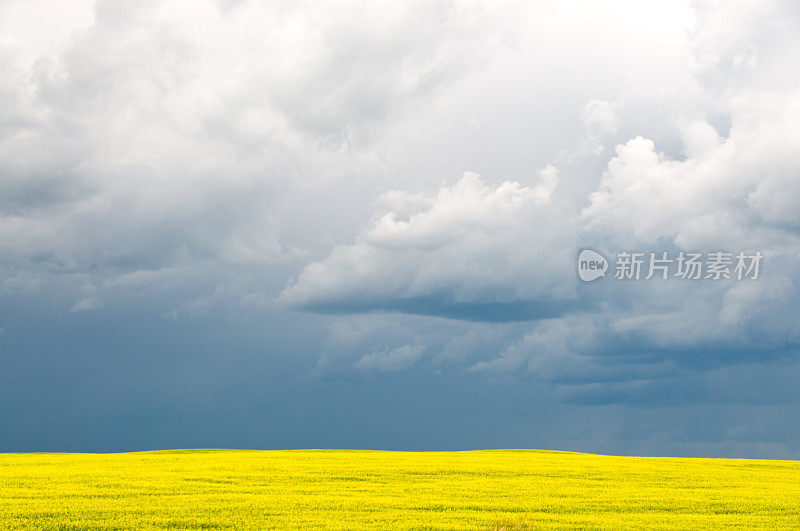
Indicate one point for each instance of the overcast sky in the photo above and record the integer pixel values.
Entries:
(355, 225)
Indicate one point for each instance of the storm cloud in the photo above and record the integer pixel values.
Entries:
(355, 225)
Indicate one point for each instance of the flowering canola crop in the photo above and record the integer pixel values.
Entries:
(332, 489)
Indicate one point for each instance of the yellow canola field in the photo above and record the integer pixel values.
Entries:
(331, 489)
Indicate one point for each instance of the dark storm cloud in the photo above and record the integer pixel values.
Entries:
(277, 225)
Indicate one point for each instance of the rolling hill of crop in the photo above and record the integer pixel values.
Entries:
(503, 489)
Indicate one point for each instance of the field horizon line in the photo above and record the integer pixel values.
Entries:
(372, 450)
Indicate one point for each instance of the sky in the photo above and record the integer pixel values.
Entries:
(246, 224)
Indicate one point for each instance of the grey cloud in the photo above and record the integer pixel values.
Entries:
(177, 178)
(390, 360)
(140, 136)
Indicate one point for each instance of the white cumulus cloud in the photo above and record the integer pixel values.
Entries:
(470, 243)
